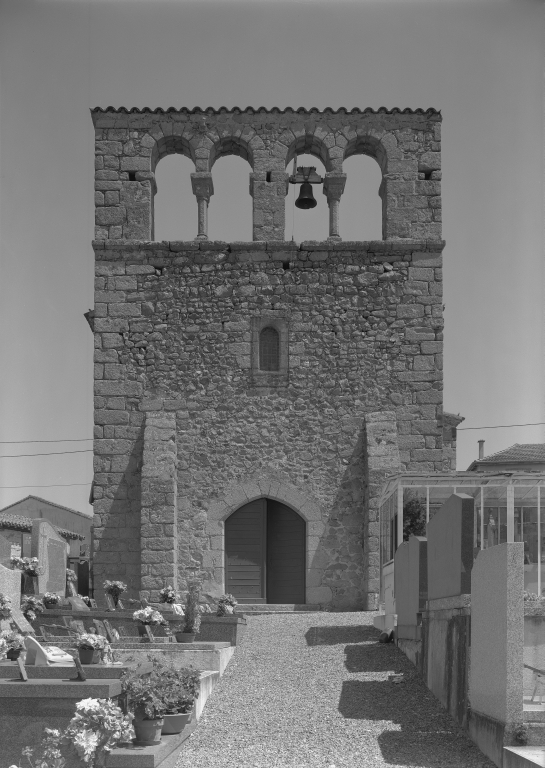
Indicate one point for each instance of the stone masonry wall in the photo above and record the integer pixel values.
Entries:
(173, 334)
(130, 143)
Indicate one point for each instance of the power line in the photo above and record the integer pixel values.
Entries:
(502, 426)
(54, 485)
(67, 440)
(53, 453)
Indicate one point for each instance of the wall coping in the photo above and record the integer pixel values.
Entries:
(177, 246)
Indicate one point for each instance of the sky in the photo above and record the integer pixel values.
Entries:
(478, 61)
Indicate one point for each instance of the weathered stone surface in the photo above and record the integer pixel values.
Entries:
(176, 347)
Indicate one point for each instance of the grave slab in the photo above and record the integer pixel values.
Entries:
(51, 551)
(10, 586)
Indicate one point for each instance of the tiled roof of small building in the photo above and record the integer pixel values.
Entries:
(517, 452)
(273, 110)
(24, 524)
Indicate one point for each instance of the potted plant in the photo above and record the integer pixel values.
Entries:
(146, 699)
(167, 595)
(5, 606)
(98, 726)
(147, 616)
(3, 648)
(50, 599)
(226, 605)
(31, 606)
(115, 589)
(180, 698)
(187, 629)
(91, 647)
(15, 643)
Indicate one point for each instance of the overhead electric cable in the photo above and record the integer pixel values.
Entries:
(54, 485)
(502, 426)
(53, 453)
(66, 440)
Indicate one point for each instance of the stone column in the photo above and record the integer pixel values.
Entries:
(333, 189)
(382, 459)
(268, 190)
(203, 189)
(158, 533)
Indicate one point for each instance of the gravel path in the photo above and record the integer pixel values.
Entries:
(312, 691)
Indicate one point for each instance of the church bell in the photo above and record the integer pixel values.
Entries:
(306, 198)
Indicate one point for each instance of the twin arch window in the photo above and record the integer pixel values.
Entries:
(269, 349)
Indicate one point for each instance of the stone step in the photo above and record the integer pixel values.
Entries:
(252, 608)
(523, 757)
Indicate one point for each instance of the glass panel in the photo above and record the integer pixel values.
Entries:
(495, 515)
(541, 550)
(414, 512)
(438, 495)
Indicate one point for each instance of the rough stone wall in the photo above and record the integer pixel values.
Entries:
(405, 143)
(173, 333)
(159, 514)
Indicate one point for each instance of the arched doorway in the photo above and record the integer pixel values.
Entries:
(265, 553)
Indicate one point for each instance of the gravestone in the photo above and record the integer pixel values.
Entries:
(50, 549)
(10, 586)
(5, 550)
(101, 629)
(77, 603)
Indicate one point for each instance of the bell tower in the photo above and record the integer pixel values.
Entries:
(244, 391)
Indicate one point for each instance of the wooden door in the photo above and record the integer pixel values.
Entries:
(286, 537)
(245, 549)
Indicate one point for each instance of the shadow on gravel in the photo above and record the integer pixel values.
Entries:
(340, 635)
(372, 658)
(422, 733)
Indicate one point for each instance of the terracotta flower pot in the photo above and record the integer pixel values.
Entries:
(89, 655)
(176, 723)
(148, 732)
(185, 637)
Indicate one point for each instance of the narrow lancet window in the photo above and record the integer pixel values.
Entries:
(269, 349)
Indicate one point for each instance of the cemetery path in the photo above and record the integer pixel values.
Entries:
(312, 691)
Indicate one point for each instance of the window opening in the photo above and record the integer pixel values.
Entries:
(269, 349)
(175, 205)
(132, 175)
(230, 209)
(269, 176)
(360, 209)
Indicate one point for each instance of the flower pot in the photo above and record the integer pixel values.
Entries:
(176, 723)
(89, 655)
(147, 732)
(185, 637)
(13, 653)
(51, 605)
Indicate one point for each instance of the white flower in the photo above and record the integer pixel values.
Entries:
(89, 706)
(86, 743)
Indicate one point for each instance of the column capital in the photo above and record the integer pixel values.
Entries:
(334, 185)
(202, 185)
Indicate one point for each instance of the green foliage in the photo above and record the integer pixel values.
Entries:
(520, 733)
(414, 517)
(223, 602)
(165, 691)
(192, 618)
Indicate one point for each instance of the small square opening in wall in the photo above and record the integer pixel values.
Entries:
(269, 352)
(132, 175)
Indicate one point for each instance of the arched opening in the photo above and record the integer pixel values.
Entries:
(175, 205)
(230, 207)
(360, 210)
(311, 224)
(269, 349)
(265, 553)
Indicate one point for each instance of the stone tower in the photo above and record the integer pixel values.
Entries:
(251, 396)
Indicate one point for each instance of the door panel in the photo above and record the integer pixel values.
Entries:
(286, 537)
(245, 552)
